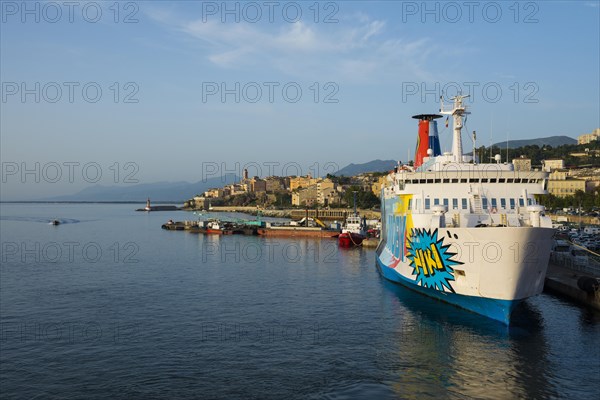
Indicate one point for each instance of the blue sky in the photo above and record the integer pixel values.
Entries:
(363, 68)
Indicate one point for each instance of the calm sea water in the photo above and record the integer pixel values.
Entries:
(109, 305)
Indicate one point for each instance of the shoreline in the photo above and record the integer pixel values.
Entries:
(283, 213)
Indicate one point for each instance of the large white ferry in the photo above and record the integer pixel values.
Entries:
(468, 233)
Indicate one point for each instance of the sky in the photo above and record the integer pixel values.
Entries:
(120, 93)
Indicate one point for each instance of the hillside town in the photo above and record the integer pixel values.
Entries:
(293, 191)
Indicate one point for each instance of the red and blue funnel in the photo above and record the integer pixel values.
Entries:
(428, 137)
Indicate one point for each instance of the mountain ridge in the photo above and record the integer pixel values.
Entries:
(553, 141)
(371, 166)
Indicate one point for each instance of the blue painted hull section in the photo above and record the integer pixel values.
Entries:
(499, 310)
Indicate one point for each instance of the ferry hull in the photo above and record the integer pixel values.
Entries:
(497, 309)
(484, 270)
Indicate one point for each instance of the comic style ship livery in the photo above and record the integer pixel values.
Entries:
(467, 233)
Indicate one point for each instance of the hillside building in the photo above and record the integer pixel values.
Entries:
(522, 164)
(589, 137)
(553, 164)
(560, 184)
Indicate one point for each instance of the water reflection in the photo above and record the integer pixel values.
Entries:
(442, 348)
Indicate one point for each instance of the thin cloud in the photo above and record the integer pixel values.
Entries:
(358, 50)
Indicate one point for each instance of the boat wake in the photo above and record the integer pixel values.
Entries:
(43, 220)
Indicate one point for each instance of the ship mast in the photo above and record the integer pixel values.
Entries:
(457, 114)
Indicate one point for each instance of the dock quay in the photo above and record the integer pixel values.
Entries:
(579, 283)
(204, 227)
(298, 231)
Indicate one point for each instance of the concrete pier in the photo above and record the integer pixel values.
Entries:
(564, 280)
(180, 225)
(159, 208)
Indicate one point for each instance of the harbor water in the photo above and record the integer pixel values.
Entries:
(108, 305)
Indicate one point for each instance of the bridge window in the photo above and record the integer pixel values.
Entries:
(455, 204)
(454, 180)
(484, 203)
(484, 180)
(501, 180)
(521, 202)
(464, 180)
(503, 203)
(494, 203)
(512, 204)
(427, 204)
(436, 202)
(446, 202)
(493, 180)
(464, 204)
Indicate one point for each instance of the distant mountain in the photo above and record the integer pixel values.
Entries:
(553, 141)
(175, 192)
(371, 166)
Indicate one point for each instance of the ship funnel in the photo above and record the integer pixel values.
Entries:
(428, 138)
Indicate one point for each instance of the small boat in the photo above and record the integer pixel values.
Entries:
(173, 226)
(216, 228)
(55, 222)
(353, 232)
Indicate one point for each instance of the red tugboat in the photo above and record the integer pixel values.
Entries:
(215, 227)
(353, 232)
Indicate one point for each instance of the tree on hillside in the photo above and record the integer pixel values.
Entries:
(364, 199)
(283, 199)
(340, 180)
(537, 153)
